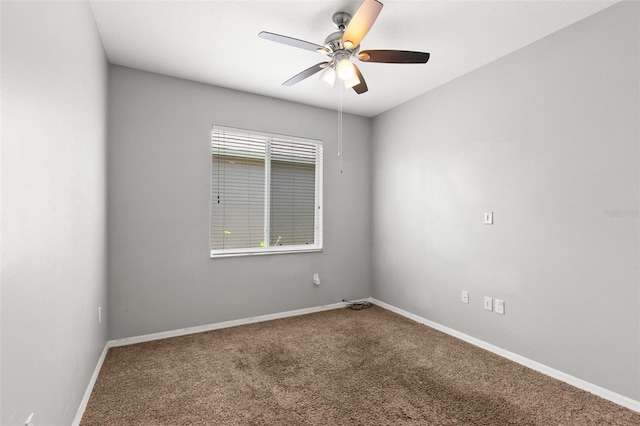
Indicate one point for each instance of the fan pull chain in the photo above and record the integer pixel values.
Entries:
(340, 130)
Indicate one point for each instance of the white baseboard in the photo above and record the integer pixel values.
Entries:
(92, 382)
(574, 381)
(220, 325)
(184, 332)
(551, 372)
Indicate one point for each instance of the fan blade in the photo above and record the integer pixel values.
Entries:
(290, 41)
(362, 86)
(361, 23)
(394, 56)
(306, 73)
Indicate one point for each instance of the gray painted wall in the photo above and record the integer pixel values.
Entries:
(160, 274)
(548, 139)
(54, 93)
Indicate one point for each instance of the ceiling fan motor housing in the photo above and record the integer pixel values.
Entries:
(334, 43)
(334, 40)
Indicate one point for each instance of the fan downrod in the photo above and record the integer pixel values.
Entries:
(333, 42)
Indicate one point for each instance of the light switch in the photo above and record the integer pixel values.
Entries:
(488, 303)
(488, 218)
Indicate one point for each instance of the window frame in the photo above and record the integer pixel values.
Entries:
(317, 246)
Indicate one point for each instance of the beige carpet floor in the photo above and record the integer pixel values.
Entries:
(368, 367)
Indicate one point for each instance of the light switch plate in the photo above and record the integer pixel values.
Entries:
(488, 218)
(464, 297)
(499, 306)
(488, 303)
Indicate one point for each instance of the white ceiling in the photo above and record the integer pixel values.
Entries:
(216, 42)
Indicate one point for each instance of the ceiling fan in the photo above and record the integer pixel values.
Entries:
(343, 45)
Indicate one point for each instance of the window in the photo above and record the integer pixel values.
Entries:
(266, 193)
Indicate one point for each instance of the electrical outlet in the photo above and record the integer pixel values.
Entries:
(488, 303)
(464, 297)
(499, 306)
(29, 421)
(316, 278)
(99, 314)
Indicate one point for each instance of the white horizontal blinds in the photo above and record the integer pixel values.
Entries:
(238, 190)
(266, 193)
(293, 193)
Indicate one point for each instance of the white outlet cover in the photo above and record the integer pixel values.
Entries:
(499, 306)
(464, 296)
(488, 303)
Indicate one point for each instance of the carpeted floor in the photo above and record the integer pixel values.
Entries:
(368, 367)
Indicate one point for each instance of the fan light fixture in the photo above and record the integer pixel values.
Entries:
(353, 81)
(345, 69)
(328, 76)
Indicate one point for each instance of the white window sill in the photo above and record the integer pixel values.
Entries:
(217, 254)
